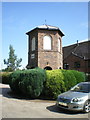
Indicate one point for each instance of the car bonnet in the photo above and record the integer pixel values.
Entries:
(72, 94)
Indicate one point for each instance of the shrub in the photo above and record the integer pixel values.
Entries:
(14, 81)
(54, 83)
(47, 83)
(59, 81)
(28, 82)
(69, 79)
(72, 77)
(80, 76)
(32, 81)
(4, 77)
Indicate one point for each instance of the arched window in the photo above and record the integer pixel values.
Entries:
(47, 43)
(33, 43)
(59, 45)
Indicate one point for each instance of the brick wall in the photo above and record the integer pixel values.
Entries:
(44, 58)
(83, 63)
(52, 58)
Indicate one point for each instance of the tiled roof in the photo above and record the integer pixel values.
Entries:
(80, 50)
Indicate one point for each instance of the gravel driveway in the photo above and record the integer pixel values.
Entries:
(15, 107)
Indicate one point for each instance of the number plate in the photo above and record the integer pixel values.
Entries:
(61, 103)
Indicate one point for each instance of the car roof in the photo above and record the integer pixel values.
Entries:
(84, 83)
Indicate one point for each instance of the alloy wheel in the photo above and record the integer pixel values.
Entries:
(87, 107)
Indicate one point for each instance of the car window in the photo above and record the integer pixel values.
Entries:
(81, 88)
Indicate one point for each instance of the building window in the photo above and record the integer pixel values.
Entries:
(59, 45)
(47, 43)
(32, 56)
(66, 66)
(77, 64)
(33, 43)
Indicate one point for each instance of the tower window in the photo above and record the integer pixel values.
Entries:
(47, 43)
(59, 45)
(33, 43)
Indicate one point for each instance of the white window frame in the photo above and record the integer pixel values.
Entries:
(47, 42)
(33, 43)
(59, 45)
(32, 56)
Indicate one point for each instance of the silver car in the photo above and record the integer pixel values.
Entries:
(77, 98)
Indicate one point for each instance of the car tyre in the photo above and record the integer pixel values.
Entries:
(86, 108)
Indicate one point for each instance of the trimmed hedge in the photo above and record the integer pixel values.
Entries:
(4, 77)
(72, 77)
(44, 83)
(69, 79)
(28, 82)
(80, 76)
(58, 81)
(54, 84)
(32, 82)
(14, 81)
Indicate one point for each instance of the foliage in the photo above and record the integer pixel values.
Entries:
(4, 77)
(14, 81)
(28, 82)
(80, 76)
(69, 79)
(12, 62)
(59, 81)
(44, 83)
(54, 83)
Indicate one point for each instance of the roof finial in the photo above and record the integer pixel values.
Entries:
(77, 43)
(45, 21)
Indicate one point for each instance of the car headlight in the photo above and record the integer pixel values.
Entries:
(76, 100)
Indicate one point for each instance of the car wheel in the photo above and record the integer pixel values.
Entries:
(86, 108)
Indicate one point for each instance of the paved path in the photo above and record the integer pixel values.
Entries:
(14, 107)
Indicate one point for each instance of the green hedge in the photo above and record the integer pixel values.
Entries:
(44, 83)
(72, 77)
(69, 79)
(28, 82)
(4, 77)
(80, 76)
(54, 84)
(14, 81)
(58, 81)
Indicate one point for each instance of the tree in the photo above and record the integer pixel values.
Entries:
(12, 62)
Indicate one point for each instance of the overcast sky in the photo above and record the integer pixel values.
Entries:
(20, 17)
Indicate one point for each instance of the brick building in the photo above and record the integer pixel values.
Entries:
(45, 47)
(77, 57)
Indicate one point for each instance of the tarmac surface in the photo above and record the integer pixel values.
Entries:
(13, 106)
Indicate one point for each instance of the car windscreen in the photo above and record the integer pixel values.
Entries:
(81, 88)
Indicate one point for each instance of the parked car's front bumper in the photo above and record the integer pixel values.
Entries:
(77, 106)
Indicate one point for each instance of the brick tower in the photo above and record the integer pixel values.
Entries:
(45, 47)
